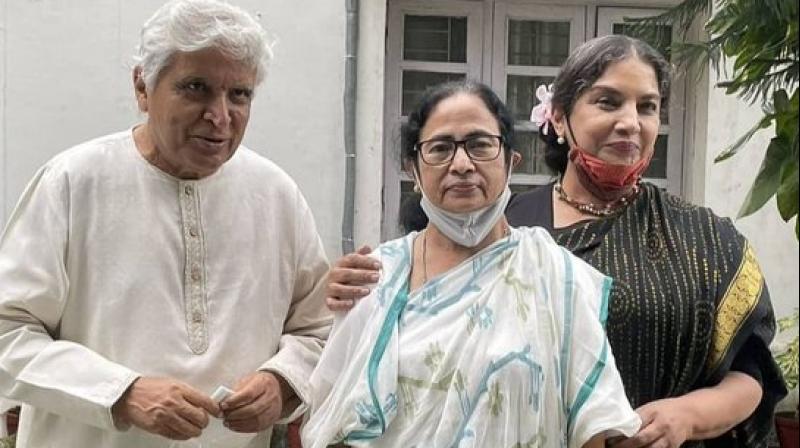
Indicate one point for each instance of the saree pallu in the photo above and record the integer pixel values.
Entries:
(507, 349)
(688, 304)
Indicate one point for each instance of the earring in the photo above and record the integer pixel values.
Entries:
(416, 188)
(560, 140)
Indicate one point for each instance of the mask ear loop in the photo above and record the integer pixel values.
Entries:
(510, 168)
(574, 141)
(417, 180)
(572, 135)
(415, 174)
(571, 132)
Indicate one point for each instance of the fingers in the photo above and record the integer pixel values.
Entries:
(345, 291)
(255, 405)
(339, 305)
(166, 407)
(359, 260)
(232, 406)
(253, 387)
(348, 277)
(647, 434)
(343, 298)
(177, 427)
(256, 415)
(246, 391)
(193, 415)
(202, 401)
(249, 410)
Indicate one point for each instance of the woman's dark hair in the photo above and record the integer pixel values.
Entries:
(412, 218)
(584, 66)
(410, 130)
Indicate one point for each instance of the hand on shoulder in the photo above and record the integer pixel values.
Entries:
(348, 279)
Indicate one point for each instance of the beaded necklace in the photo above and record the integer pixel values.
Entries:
(601, 211)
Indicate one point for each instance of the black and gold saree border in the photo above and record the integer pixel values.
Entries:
(736, 307)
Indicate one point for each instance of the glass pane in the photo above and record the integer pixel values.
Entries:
(658, 165)
(660, 38)
(521, 94)
(415, 83)
(435, 39)
(532, 150)
(537, 43)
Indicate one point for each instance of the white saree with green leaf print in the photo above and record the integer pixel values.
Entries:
(507, 349)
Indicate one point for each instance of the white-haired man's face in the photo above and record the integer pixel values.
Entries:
(197, 113)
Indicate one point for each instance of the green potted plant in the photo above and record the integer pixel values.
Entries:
(786, 423)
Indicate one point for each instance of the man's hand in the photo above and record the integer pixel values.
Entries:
(166, 407)
(664, 425)
(347, 278)
(256, 403)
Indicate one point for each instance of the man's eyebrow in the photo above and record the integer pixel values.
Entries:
(190, 78)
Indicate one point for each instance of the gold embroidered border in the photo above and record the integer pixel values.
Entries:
(736, 306)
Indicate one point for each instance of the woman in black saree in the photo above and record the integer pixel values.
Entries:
(690, 319)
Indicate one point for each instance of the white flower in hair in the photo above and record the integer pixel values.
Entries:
(542, 113)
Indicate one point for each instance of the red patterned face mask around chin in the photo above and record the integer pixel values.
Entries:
(609, 179)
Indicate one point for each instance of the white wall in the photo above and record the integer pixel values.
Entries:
(65, 78)
(369, 122)
(727, 184)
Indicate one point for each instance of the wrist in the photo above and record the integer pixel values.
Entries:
(286, 390)
(690, 416)
(119, 410)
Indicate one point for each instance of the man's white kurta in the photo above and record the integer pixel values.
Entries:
(111, 269)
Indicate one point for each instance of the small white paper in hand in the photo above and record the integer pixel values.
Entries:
(221, 393)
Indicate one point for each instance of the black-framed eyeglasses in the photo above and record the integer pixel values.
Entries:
(479, 148)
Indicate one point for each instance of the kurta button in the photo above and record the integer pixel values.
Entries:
(196, 274)
(193, 231)
(197, 317)
(188, 190)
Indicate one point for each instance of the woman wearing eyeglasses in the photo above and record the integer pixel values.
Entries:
(469, 337)
(689, 316)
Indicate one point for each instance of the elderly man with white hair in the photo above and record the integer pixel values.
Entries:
(142, 270)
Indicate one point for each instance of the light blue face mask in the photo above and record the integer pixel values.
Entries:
(467, 229)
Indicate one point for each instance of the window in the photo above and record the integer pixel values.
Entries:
(511, 46)
(530, 44)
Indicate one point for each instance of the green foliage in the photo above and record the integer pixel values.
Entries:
(761, 38)
(778, 173)
(787, 356)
